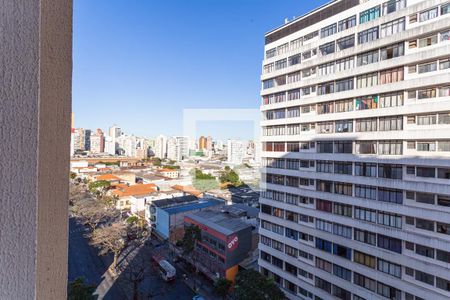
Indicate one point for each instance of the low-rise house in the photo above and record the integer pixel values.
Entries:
(133, 197)
(169, 173)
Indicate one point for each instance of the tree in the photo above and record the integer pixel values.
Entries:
(156, 161)
(203, 182)
(93, 212)
(229, 176)
(222, 287)
(99, 186)
(80, 290)
(192, 234)
(73, 175)
(110, 238)
(252, 285)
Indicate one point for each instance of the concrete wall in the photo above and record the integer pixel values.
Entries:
(35, 98)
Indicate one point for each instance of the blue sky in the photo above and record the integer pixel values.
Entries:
(140, 63)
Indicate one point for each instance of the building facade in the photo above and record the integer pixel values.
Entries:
(236, 151)
(356, 147)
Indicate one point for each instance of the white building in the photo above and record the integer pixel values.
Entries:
(236, 151)
(161, 147)
(177, 148)
(110, 145)
(356, 149)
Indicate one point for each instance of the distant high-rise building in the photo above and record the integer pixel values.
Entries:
(115, 131)
(161, 147)
(97, 142)
(177, 148)
(79, 139)
(356, 152)
(110, 145)
(236, 151)
(87, 139)
(202, 143)
(209, 143)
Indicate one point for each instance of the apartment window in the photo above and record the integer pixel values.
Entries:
(342, 251)
(364, 259)
(366, 147)
(324, 147)
(270, 83)
(293, 77)
(346, 42)
(343, 147)
(389, 243)
(325, 127)
(368, 102)
(294, 60)
(390, 147)
(365, 191)
(428, 41)
(325, 186)
(342, 167)
(445, 8)
(425, 198)
(364, 125)
(425, 251)
(325, 108)
(426, 120)
(444, 173)
(329, 30)
(393, 5)
(308, 72)
(393, 27)
(443, 200)
(290, 233)
(444, 146)
(388, 219)
(283, 49)
(424, 224)
(326, 69)
(368, 35)
(369, 15)
(292, 181)
(294, 94)
(327, 48)
(281, 64)
(271, 53)
(391, 75)
(324, 166)
(268, 68)
(325, 88)
(390, 195)
(344, 105)
(343, 188)
(426, 146)
(388, 291)
(426, 172)
(365, 214)
(365, 169)
(323, 284)
(309, 53)
(365, 236)
(366, 80)
(428, 14)
(293, 112)
(341, 272)
(412, 18)
(295, 44)
(293, 147)
(389, 268)
(445, 36)
(323, 245)
(443, 256)
(342, 230)
(344, 84)
(344, 64)
(391, 99)
(293, 129)
(390, 171)
(280, 80)
(428, 67)
(367, 58)
(426, 93)
(424, 277)
(290, 251)
(347, 23)
(324, 225)
(340, 293)
(344, 126)
(443, 284)
(391, 123)
(392, 51)
(342, 209)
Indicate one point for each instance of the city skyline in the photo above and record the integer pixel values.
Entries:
(120, 77)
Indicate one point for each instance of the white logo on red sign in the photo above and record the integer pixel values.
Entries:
(233, 243)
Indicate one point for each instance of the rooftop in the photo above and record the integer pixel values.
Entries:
(223, 223)
(187, 189)
(135, 190)
(108, 177)
(201, 204)
(164, 203)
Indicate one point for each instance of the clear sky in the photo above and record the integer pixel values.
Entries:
(139, 63)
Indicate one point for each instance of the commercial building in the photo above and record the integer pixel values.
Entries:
(356, 147)
(225, 242)
(202, 143)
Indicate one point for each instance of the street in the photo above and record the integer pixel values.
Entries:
(85, 262)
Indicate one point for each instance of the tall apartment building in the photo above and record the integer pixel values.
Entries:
(356, 152)
(236, 151)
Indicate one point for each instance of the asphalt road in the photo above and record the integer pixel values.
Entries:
(85, 262)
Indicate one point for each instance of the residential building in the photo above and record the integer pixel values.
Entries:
(202, 143)
(169, 173)
(133, 197)
(167, 215)
(177, 148)
(356, 147)
(97, 142)
(236, 151)
(161, 147)
(225, 242)
(209, 143)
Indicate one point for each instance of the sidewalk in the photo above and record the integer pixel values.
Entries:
(203, 288)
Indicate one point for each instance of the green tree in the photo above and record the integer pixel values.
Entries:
(73, 175)
(251, 285)
(229, 176)
(192, 234)
(222, 287)
(203, 182)
(80, 290)
(100, 185)
(156, 161)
